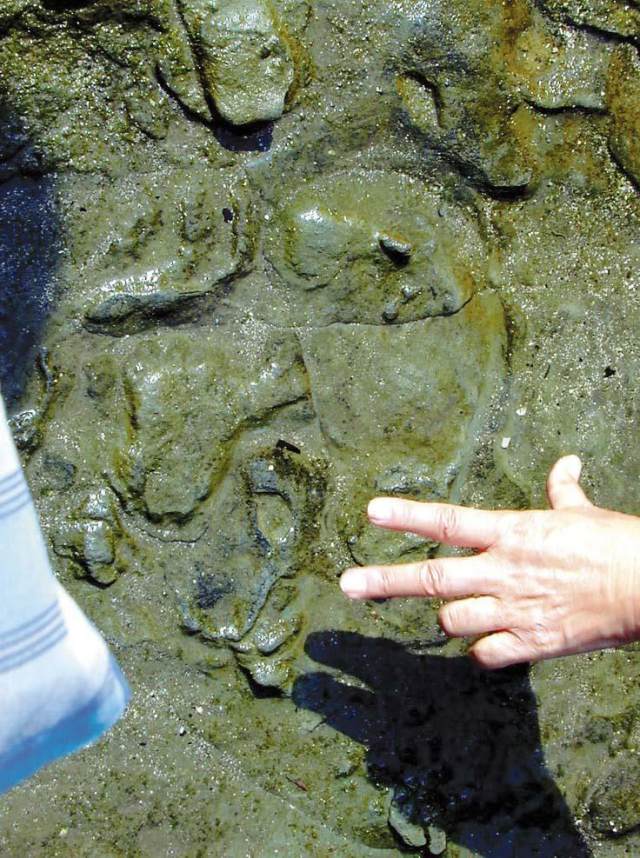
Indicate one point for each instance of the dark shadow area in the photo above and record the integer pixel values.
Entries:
(460, 747)
(252, 138)
(29, 255)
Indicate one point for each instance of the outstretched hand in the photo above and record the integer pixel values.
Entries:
(542, 583)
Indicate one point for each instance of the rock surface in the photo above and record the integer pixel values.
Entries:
(261, 260)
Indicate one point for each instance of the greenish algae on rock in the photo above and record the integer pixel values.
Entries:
(307, 253)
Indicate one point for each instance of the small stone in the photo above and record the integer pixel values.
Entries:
(505, 443)
(390, 312)
(182, 731)
(411, 834)
(409, 292)
(397, 250)
(247, 71)
(270, 636)
(437, 840)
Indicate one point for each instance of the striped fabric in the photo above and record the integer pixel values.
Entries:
(60, 688)
(32, 639)
(14, 493)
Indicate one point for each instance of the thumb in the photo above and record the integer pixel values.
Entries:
(563, 489)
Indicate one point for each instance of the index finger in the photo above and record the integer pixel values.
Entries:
(442, 522)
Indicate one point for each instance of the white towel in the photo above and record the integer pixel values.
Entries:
(60, 688)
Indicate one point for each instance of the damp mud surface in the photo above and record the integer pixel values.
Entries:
(261, 260)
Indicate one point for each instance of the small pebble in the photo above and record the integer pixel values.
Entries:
(409, 292)
(437, 840)
(390, 312)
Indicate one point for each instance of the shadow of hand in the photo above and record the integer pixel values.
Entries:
(459, 746)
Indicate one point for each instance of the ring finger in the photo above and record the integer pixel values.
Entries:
(475, 616)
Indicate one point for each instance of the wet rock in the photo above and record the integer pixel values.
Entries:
(177, 66)
(615, 805)
(268, 651)
(608, 16)
(446, 744)
(414, 421)
(454, 84)
(30, 253)
(247, 57)
(560, 69)
(186, 443)
(232, 60)
(252, 554)
(186, 403)
(437, 840)
(472, 82)
(26, 429)
(407, 413)
(159, 253)
(390, 312)
(11, 10)
(148, 110)
(94, 539)
(27, 426)
(623, 102)
(267, 674)
(271, 636)
(410, 833)
(58, 474)
(433, 236)
(373, 247)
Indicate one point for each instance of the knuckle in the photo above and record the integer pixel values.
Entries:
(447, 523)
(521, 530)
(540, 637)
(509, 532)
(518, 528)
(431, 577)
(539, 633)
(385, 582)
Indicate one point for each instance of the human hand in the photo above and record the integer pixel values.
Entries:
(543, 583)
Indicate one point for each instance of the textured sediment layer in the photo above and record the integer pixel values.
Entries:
(260, 261)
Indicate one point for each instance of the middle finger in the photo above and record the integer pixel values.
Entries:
(445, 578)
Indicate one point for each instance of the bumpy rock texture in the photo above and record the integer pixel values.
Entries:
(259, 260)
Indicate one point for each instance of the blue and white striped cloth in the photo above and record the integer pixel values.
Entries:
(60, 688)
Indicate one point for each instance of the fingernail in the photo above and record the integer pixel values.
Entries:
(379, 510)
(353, 583)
